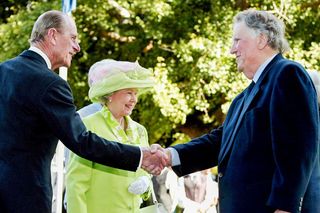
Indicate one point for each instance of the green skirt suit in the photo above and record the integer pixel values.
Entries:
(95, 188)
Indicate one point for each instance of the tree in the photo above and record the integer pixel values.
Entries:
(11, 7)
(186, 44)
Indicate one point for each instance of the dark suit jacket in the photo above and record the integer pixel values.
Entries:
(37, 109)
(267, 154)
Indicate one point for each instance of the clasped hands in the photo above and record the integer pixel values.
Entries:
(155, 158)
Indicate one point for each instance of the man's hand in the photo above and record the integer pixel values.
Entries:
(154, 161)
(157, 147)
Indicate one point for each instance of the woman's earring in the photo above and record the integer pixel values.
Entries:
(110, 100)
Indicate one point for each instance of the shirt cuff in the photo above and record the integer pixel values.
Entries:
(175, 159)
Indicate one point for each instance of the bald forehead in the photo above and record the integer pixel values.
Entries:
(69, 20)
(70, 25)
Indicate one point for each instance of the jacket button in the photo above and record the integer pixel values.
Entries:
(220, 175)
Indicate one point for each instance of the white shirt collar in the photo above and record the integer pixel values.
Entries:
(42, 54)
(261, 68)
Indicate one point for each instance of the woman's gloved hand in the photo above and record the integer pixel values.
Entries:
(139, 186)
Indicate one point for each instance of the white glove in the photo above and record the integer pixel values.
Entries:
(139, 186)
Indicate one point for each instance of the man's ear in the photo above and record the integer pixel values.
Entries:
(262, 41)
(52, 35)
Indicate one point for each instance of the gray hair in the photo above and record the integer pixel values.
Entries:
(50, 19)
(267, 24)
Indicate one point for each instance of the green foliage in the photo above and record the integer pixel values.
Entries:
(11, 7)
(186, 44)
(14, 35)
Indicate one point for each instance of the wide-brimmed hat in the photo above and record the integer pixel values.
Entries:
(108, 76)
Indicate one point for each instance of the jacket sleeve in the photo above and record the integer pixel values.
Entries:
(294, 125)
(199, 154)
(59, 112)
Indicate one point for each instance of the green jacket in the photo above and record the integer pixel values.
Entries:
(95, 188)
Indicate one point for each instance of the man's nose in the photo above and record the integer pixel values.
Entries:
(232, 49)
(76, 47)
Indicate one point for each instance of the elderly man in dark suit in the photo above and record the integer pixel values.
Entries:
(267, 149)
(37, 109)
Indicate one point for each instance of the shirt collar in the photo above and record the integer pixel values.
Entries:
(261, 68)
(42, 54)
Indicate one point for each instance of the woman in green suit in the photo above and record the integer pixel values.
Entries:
(95, 188)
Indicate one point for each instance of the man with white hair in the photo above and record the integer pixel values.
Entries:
(37, 110)
(267, 149)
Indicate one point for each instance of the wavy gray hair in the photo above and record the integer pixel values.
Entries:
(267, 24)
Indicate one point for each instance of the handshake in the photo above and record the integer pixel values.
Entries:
(155, 158)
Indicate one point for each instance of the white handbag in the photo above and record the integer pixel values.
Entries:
(156, 207)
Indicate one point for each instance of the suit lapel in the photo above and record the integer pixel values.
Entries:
(228, 126)
(228, 139)
(232, 128)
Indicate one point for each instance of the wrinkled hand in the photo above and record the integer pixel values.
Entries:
(154, 159)
(139, 186)
(157, 147)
